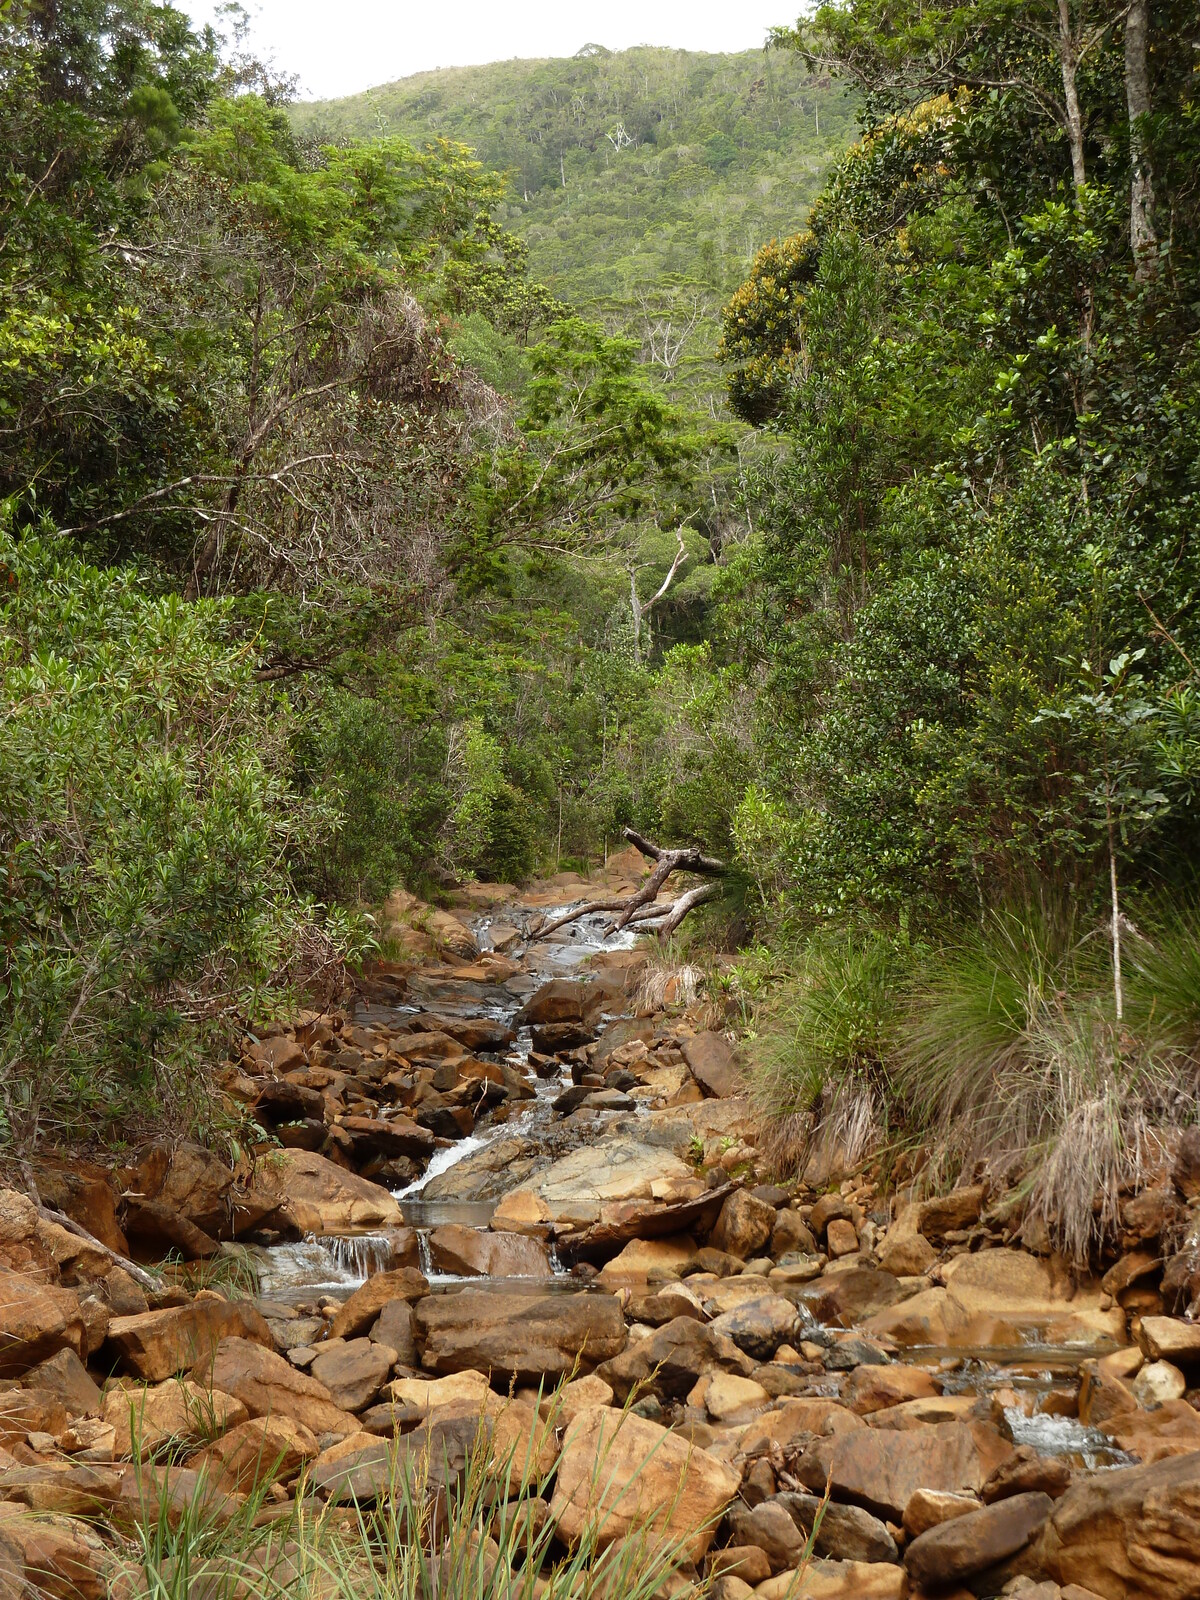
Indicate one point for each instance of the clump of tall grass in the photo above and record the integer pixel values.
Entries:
(456, 1519)
(1001, 1047)
(820, 1043)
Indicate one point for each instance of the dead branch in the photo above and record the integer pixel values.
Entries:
(641, 906)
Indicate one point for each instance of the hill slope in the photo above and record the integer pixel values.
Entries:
(643, 181)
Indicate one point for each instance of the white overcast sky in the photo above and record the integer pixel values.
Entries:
(341, 46)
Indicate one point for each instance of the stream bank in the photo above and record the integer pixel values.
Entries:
(491, 1174)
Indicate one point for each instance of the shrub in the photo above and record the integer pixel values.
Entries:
(145, 825)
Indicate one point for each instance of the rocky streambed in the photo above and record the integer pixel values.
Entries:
(495, 1175)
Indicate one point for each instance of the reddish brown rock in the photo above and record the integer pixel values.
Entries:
(957, 1550)
(156, 1344)
(360, 1311)
(36, 1320)
(881, 1469)
(267, 1385)
(744, 1225)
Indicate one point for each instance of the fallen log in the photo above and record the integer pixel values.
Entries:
(640, 906)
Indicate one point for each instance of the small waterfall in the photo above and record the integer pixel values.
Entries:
(424, 1256)
(358, 1254)
(556, 1266)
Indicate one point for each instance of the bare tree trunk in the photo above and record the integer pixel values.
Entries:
(641, 906)
(1118, 988)
(640, 607)
(1068, 58)
(1142, 236)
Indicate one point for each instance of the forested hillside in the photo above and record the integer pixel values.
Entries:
(641, 181)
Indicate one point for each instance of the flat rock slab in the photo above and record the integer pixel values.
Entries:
(645, 1220)
(527, 1335)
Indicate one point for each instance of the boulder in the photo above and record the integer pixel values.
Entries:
(85, 1194)
(791, 1235)
(471, 1251)
(728, 1398)
(958, 1550)
(144, 1417)
(1130, 1534)
(559, 1000)
(68, 1380)
(950, 1213)
(769, 1526)
(259, 1450)
(155, 1344)
(157, 1228)
(36, 1320)
(642, 1256)
(882, 1469)
(61, 1557)
(1156, 1383)
(267, 1385)
(850, 1297)
(1186, 1172)
(1170, 1339)
(744, 1225)
(393, 1328)
(530, 1334)
(759, 1326)
(362, 1309)
(713, 1064)
(847, 1533)
(927, 1508)
(620, 1474)
(874, 1388)
(581, 1186)
(838, 1580)
(388, 1136)
(315, 1196)
(353, 1370)
(672, 1358)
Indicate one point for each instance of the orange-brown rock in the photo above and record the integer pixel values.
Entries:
(36, 1320)
(156, 1344)
(267, 1385)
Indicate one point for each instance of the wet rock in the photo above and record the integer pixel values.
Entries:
(552, 1037)
(619, 1473)
(957, 1550)
(881, 1470)
(714, 1064)
(257, 1451)
(1130, 1534)
(316, 1196)
(671, 1359)
(156, 1344)
(744, 1225)
(578, 1186)
(486, 1174)
(846, 1533)
(353, 1370)
(267, 1385)
(532, 1335)
(36, 1321)
(492, 1255)
(363, 1307)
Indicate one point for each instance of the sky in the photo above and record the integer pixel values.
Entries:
(341, 46)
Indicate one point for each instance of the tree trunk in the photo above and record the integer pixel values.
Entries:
(1142, 236)
(641, 906)
(1118, 988)
(1068, 58)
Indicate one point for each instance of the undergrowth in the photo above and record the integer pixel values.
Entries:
(999, 1048)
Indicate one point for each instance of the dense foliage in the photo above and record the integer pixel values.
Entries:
(971, 601)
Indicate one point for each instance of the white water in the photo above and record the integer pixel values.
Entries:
(442, 1161)
(1065, 1436)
